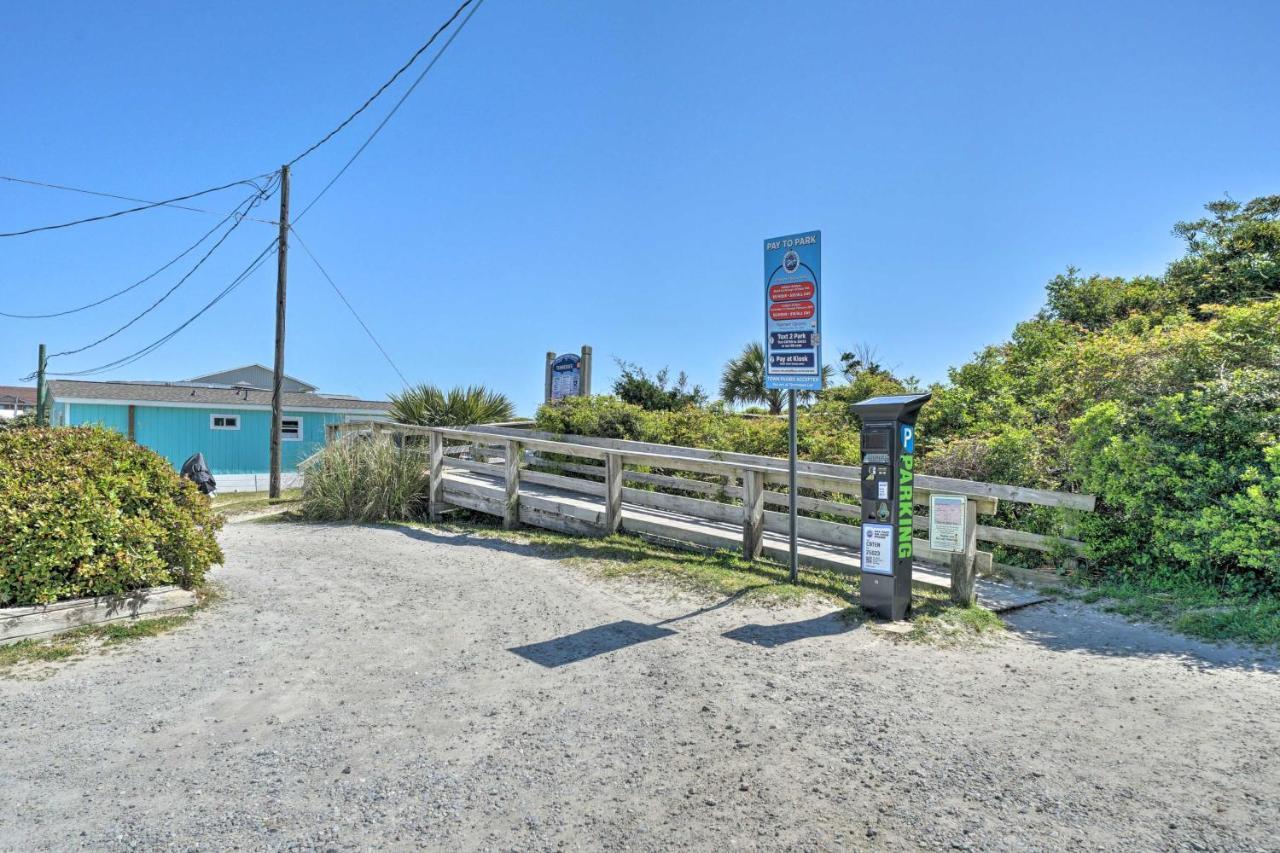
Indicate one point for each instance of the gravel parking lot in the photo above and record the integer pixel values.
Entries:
(384, 688)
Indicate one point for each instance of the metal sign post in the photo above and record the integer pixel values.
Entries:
(792, 332)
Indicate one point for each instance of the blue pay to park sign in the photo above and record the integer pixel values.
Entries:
(793, 312)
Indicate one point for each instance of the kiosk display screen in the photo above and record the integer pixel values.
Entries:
(876, 440)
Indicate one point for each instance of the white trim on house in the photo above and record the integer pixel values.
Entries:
(285, 435)
(368, 413)
(257, 482)
(233, 425)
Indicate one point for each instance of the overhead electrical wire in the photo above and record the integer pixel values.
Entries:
(159, 342)
(173, 202)
(403, 98)
(261, 194)
(137, 283)
(252, 202)
(65, 188)
(384, 86)
(350, 308)
(252, 182)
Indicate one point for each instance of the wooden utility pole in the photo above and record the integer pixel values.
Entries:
(41, 390)
(277, 380)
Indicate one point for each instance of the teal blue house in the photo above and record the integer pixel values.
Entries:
(226, 416)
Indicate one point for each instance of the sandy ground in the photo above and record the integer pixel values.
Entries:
(375, 688)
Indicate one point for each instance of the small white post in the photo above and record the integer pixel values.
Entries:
(963, 590)
(511, 516)
(435, 488)
(613, 493)
(752, 513)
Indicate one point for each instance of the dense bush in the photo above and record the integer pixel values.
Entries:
(1160, 395)
(84, 511)
(825, 435)
(366, 479)
(634, 385)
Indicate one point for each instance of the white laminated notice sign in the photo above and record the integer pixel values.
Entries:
(946, 523)
(877, 548)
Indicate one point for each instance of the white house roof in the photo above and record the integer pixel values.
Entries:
(254, 375)
(192, 394)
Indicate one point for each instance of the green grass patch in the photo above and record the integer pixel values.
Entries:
(1196, 611)
(232, 504)
(622, 556)
(721, 573)
(81, 641)
(952, 625)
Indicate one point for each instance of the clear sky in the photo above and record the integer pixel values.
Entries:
(604, 173)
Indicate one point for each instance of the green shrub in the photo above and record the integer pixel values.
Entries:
(84, 511)
(365, 479)
(603, 416)
(427, 405)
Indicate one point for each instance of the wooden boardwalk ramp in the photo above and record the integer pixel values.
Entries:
(711, 499)
(574, 512)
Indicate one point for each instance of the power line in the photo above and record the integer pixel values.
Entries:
(65, 188)
(136, 284)
(172, 202)
(251, 203)
(384, 86)
(159, 342)
(403, 98)
(148, 206)
(338, 291)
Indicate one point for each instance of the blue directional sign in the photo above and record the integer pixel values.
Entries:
(793, 312)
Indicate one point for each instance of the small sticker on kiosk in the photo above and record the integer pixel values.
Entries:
(882, 490)
(877, 548)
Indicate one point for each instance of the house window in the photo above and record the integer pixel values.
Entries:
(291, 429)
(224, 422)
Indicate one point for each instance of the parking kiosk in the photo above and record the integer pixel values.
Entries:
(888, 478)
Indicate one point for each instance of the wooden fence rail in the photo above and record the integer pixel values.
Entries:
(583, 484)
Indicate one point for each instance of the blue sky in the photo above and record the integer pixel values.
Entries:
(605, 172)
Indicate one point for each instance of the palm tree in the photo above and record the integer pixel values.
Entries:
(427, 405)
(742, 381)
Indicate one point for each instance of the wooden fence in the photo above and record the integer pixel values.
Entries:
(589, 485)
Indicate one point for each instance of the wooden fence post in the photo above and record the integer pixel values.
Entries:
(752, 513)
(435, 488)
(963, 591)
(612, 493)
(511, 516)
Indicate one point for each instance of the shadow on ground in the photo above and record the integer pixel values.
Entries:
(1067, 627)
(590, 642)
(772, 636)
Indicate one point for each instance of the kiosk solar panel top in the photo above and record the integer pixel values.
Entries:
(894, 400)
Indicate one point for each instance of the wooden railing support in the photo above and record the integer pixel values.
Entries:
(435, 487)
(963, 588)
(511, 517)
(612, 493)
(752, 514)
